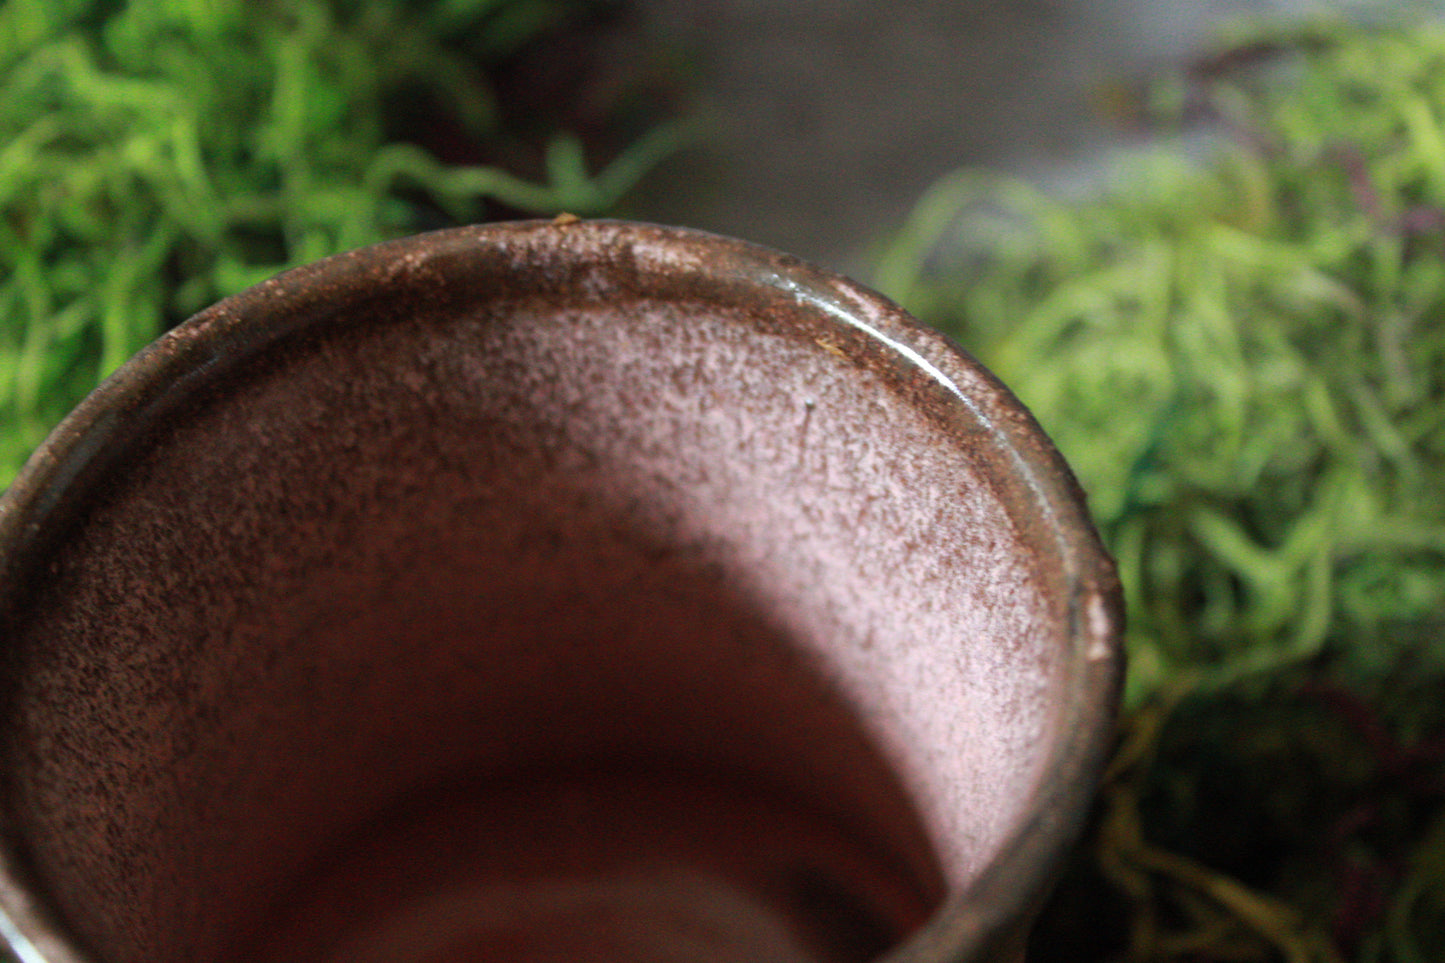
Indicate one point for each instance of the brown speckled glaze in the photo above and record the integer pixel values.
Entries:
(546, 591)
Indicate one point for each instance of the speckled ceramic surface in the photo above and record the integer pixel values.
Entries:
(546, 591)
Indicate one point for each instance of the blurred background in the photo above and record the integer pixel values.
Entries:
(1201, 240)
(828, 118)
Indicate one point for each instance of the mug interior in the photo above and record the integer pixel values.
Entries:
(533, 593)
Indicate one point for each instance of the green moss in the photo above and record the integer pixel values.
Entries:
(1242, 354)
(158, 155)
(1238, 342)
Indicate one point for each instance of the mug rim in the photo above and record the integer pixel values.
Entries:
(1002, 899)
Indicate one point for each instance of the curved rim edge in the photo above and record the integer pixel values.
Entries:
(226, 334)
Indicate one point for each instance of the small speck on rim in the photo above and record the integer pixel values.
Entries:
(1100, 626)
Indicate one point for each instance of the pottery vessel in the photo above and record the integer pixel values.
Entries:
(546, 591)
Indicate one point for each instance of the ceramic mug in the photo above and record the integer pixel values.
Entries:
(546, 591)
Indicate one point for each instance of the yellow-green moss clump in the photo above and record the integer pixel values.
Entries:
(1238, 341)
(156, 155)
